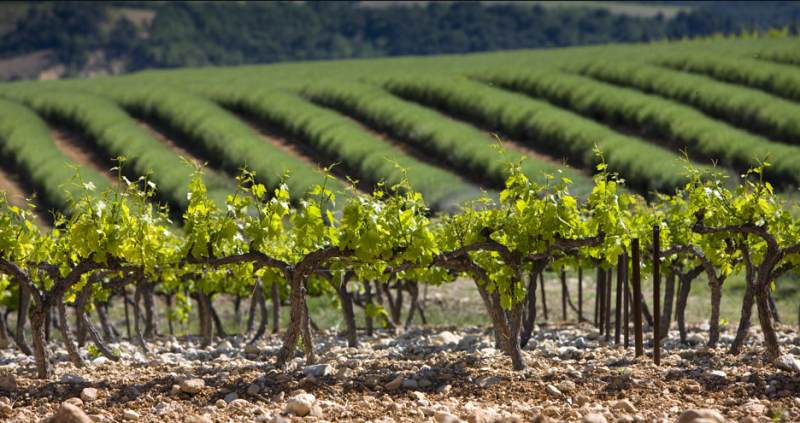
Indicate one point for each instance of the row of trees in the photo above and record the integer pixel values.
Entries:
(218, 33)
(115, 238)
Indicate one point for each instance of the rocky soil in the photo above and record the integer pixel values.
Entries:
(423, 375)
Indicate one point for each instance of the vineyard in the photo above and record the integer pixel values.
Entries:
(616, 179)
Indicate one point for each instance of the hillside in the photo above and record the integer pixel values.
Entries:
(48, 40)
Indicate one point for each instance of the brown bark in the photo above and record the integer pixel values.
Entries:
(251, 316)
(308, 337)
(40, 352)
(276, 307)
(347, 310)
(217, 321)
(716, 300)
(683, 297)
(296, 320)
(150, 316)
(206, 321)
(105, 323)
(368, 319)
(530, 315)
(261, 300)
(669, 298)
(744, 321)
(515, 349)
(544, 296)
(23, 306)
(127, 318)
(413, 291)
(136, 319)
(98, 341)
(66, 334)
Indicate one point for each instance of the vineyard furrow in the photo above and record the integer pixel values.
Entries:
(299, 150)
(774, 78)
(331, 135)
(645, 166)
(16, 192)
(663, 122)
(217, 132)
(746, 108)
(460, 145)
(214, 174)
(27, 145)
(82, 152)
(114, 132)
(410, 150)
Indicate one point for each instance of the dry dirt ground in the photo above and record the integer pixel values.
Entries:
(427, 374)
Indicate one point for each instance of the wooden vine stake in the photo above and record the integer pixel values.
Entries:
(656, 296)
(637, 303)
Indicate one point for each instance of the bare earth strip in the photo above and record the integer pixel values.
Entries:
(515, 145)
(409, 150)
(179, 147)
(16, 195)
(300, 151)
(80, 151)
(16, 192)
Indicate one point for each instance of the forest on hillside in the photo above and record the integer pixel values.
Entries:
(121, 37)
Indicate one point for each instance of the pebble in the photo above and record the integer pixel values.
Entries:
(231, 397)
(68, 413)
(74, 401)
(8, 383)
(700, 416)
(443, 417)
(300, 405)
(192, 386)
(197, 419)
(788, 363)
(566, 386)
(176, 389)
(482, 416)
(624, 405)
(445, 338)
(754, 408)
(395, 383)
(594, 418)
(89, 394)
(581, 400)
(130, 415)
(409, 384)
(718, 373)
(444, 389)
(487, 381)
(253, 389)
(252, 349)
(70, 378)
(318, 370)
(552, 390)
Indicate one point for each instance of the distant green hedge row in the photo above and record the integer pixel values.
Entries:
(25, 139)
(644, 166)
(461, 146)
(342, 140)
(677, 125)
(778, 79)
(113, 130)
(745, 107)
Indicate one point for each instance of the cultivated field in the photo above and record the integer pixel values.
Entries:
(349, 206)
